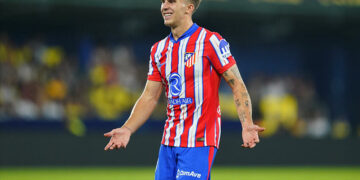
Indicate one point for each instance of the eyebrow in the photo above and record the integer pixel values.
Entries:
(168, 0)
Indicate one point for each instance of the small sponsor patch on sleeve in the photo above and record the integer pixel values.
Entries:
(224, 47)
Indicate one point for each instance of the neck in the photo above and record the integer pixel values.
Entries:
(177, 31)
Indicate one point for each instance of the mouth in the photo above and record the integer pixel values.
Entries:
(167, 15)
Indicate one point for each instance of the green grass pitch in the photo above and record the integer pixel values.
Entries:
(147, 173)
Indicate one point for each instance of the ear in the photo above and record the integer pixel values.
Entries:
(190, 8)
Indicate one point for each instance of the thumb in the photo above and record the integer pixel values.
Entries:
(260, 129)
(108, 134)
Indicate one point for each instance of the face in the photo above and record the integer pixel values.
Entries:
(174, 11)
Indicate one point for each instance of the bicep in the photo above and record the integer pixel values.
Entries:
(153, 89)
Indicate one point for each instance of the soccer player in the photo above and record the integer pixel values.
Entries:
(188, 64)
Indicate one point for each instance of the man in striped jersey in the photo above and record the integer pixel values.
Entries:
(188, 64)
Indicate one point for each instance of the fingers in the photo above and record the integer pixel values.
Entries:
(108, 145)
(250, 137)
(260, 129)
(252, 143)
(118, 146)
(114, 146)
(109, 134)
(257, 140)
(248, 145)
(111, 145)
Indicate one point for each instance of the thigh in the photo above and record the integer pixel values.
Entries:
(195, 163)
(166, 164)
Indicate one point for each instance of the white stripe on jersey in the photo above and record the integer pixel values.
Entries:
(205, 143)
(167, 75)
(168, 63)
(159, 49)
(151, 69)
(215, 131)
(183, 107)
(219, 122)
(215, 43)
(198, 86)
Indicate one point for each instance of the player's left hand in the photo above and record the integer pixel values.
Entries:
(250, 135)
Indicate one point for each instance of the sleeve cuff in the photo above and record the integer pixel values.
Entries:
(226, 67)
(154, 79)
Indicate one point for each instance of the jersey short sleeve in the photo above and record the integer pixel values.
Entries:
(219, 53)
(153, 74)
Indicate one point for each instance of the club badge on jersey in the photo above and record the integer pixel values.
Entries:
(189, 59)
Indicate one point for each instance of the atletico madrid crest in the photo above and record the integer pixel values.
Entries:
(189, 59)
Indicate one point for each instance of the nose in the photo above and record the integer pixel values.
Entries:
(164, 5)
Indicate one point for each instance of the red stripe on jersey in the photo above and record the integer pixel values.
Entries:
(153, 50)
(153, 76)
(163, 60)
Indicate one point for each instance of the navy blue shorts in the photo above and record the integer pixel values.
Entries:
(184, 163)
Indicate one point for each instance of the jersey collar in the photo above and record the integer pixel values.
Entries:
(189, 32)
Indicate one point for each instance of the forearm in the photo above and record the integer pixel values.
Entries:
(144, 106)
(140, 112)
(243, 103)
(241, 95)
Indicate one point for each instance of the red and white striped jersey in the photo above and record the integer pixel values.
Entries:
(190, 68)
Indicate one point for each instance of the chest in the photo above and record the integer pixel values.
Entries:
(185, 59)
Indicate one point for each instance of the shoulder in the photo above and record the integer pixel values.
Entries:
(212, 37)
(215, 43)
(162, 42)
(212, 34)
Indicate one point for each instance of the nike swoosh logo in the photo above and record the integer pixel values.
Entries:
(162, 64)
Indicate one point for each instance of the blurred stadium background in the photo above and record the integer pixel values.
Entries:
(71, 70)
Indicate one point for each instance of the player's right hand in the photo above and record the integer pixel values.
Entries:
(119, 138)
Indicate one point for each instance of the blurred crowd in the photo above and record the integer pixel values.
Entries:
(286, 105)
(42, 82)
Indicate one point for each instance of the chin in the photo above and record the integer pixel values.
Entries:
(168, 23)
